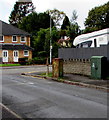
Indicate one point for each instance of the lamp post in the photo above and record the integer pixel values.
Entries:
(50, 42)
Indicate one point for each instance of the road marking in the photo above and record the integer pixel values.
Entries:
(34, 71)
(19, 83)
(31, 72)
(23, 82)
(49, 82)
(10, 111)
(30, 83)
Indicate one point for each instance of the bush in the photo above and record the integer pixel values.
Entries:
(42, 54)
(23, 61)
(37, 60)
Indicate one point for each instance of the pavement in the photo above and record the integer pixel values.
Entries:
(75, 79)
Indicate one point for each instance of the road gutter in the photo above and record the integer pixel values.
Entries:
(69, 82)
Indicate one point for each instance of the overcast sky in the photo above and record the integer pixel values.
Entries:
(81, 6)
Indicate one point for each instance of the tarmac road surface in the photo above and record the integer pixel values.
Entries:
(31, 97)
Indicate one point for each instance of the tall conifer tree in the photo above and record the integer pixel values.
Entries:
(20, 10)
(66, 23)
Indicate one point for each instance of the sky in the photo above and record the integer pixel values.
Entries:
(67, 6)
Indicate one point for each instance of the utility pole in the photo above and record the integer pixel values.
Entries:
(50, 42)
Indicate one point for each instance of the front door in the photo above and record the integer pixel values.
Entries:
(5, 56)
(15, 55)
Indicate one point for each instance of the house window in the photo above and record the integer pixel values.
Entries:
(1, 38)
(23, 39)
(26, 53)
(14, 38)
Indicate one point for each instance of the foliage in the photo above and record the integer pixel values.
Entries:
(34, 22)
(45, 74)
(42, 41)
(73, 31)
(37, 60)
(66, 23)
(74, 16)
(98, 18)
(39, 41)
(42, 54)
(54, 39)
(21, 9)
(38, 25)
(70, 28)
(57, 16)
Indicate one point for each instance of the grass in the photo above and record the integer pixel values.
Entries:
(45, 74)
(50, 75)
(7, 65)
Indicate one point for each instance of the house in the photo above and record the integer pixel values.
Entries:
(14, 43)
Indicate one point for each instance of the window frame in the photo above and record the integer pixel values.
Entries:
(27, 52)
(3, 38)
(16, 38)
(24, 39)
(14, 53)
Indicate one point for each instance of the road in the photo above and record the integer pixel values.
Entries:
(31, 97)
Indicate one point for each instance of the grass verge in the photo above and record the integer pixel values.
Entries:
(50, 75)
(7, 65)
(45, 74)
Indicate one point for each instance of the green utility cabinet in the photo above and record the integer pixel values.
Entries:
(98, 67)
(57, 67)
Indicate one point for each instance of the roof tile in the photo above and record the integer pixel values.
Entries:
(7, 29)
(15, 47)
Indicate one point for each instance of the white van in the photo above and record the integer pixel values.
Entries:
(93, 39)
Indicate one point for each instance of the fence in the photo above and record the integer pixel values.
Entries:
(77, 60)
(83, 53)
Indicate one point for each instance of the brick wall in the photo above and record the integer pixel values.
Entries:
(77, 67)
(21, 55)
(0, 53)
(10, 56)
(76, 59)
(8, 39)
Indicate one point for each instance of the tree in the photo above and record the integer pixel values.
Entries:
(57, 16)
(39, 40)
(42, 41)
(73, 31)
(29, 23)
(66, 23)
(98, 18)
(74, 17)
(21, 9)
(70, 28)
(34, 22)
